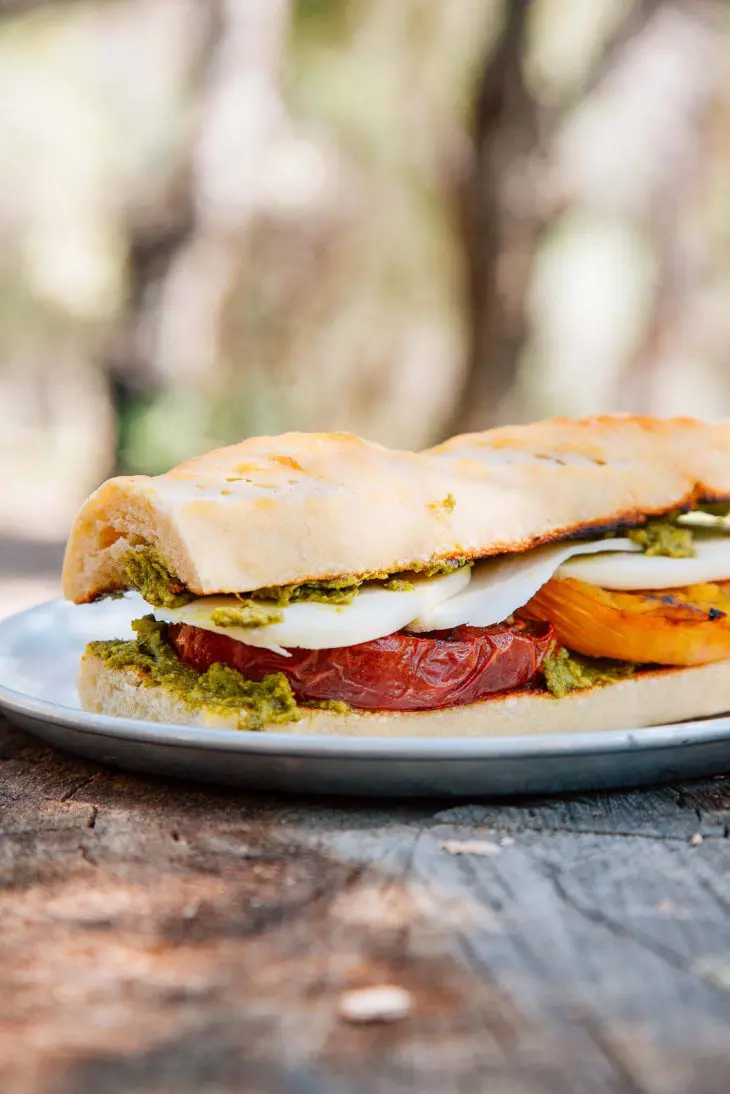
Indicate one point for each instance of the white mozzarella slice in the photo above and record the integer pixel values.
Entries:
(697, 521)
(632, 572)
(499, 586)
(374, 613)
(198, 614)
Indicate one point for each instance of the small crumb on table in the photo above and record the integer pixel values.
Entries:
(471, 847)
(385, 1003)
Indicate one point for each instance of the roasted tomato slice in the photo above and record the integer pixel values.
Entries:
(688, 626)
(400, 672)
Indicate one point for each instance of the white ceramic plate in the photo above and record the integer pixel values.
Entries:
(39, 656)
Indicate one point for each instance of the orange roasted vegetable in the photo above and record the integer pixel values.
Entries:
(688, 626)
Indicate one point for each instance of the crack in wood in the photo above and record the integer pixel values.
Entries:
(506, 1033)
(550, 830)
(707, 886)
(686, 800)
(85, 854)
(69, 794)
(521, 942)
(617, 928)
(615, 1057)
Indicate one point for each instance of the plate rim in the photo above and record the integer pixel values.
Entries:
(343, 747)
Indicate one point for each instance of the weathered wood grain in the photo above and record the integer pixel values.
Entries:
(161, 937)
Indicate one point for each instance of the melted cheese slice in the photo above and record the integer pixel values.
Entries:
(489, 593)
(636, 572)
(499, 586)
(374, 613)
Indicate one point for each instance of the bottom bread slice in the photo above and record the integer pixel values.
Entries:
(652, 697)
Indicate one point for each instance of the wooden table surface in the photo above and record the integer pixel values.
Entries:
(161, 937)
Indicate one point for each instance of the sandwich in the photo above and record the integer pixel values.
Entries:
(552, 577)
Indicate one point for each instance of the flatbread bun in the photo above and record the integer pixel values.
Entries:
(653, 697)
(304, 507)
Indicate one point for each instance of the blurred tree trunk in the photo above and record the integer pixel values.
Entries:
(157, 229)
(504, 207)
(681, 42)
(500, 224)
(186, 245)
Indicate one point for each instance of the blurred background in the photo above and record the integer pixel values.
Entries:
(405, 219)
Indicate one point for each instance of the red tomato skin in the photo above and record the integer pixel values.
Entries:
(399, 672)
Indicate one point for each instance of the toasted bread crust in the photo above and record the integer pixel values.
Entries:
(650, 698)
(304, 507)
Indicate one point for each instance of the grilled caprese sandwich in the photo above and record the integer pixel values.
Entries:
(558, 576)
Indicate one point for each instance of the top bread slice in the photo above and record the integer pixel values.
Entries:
(304, 507)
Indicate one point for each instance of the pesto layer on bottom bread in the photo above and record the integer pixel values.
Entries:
(566, 671)
(223, 689)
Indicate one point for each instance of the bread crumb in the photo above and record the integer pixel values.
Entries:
(385, 1003)
(696, 839)
(715, 968)
(506, 841)
(471, 847)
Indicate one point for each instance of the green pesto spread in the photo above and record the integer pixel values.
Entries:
(337, 706)
(221, 689)
(448, 504)
(441, 568)
(566, 671)
(147, 571)
(399, 585)
(247, 613)
(663, 538)
(337, 590)
(715, 508)
(343, 590)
